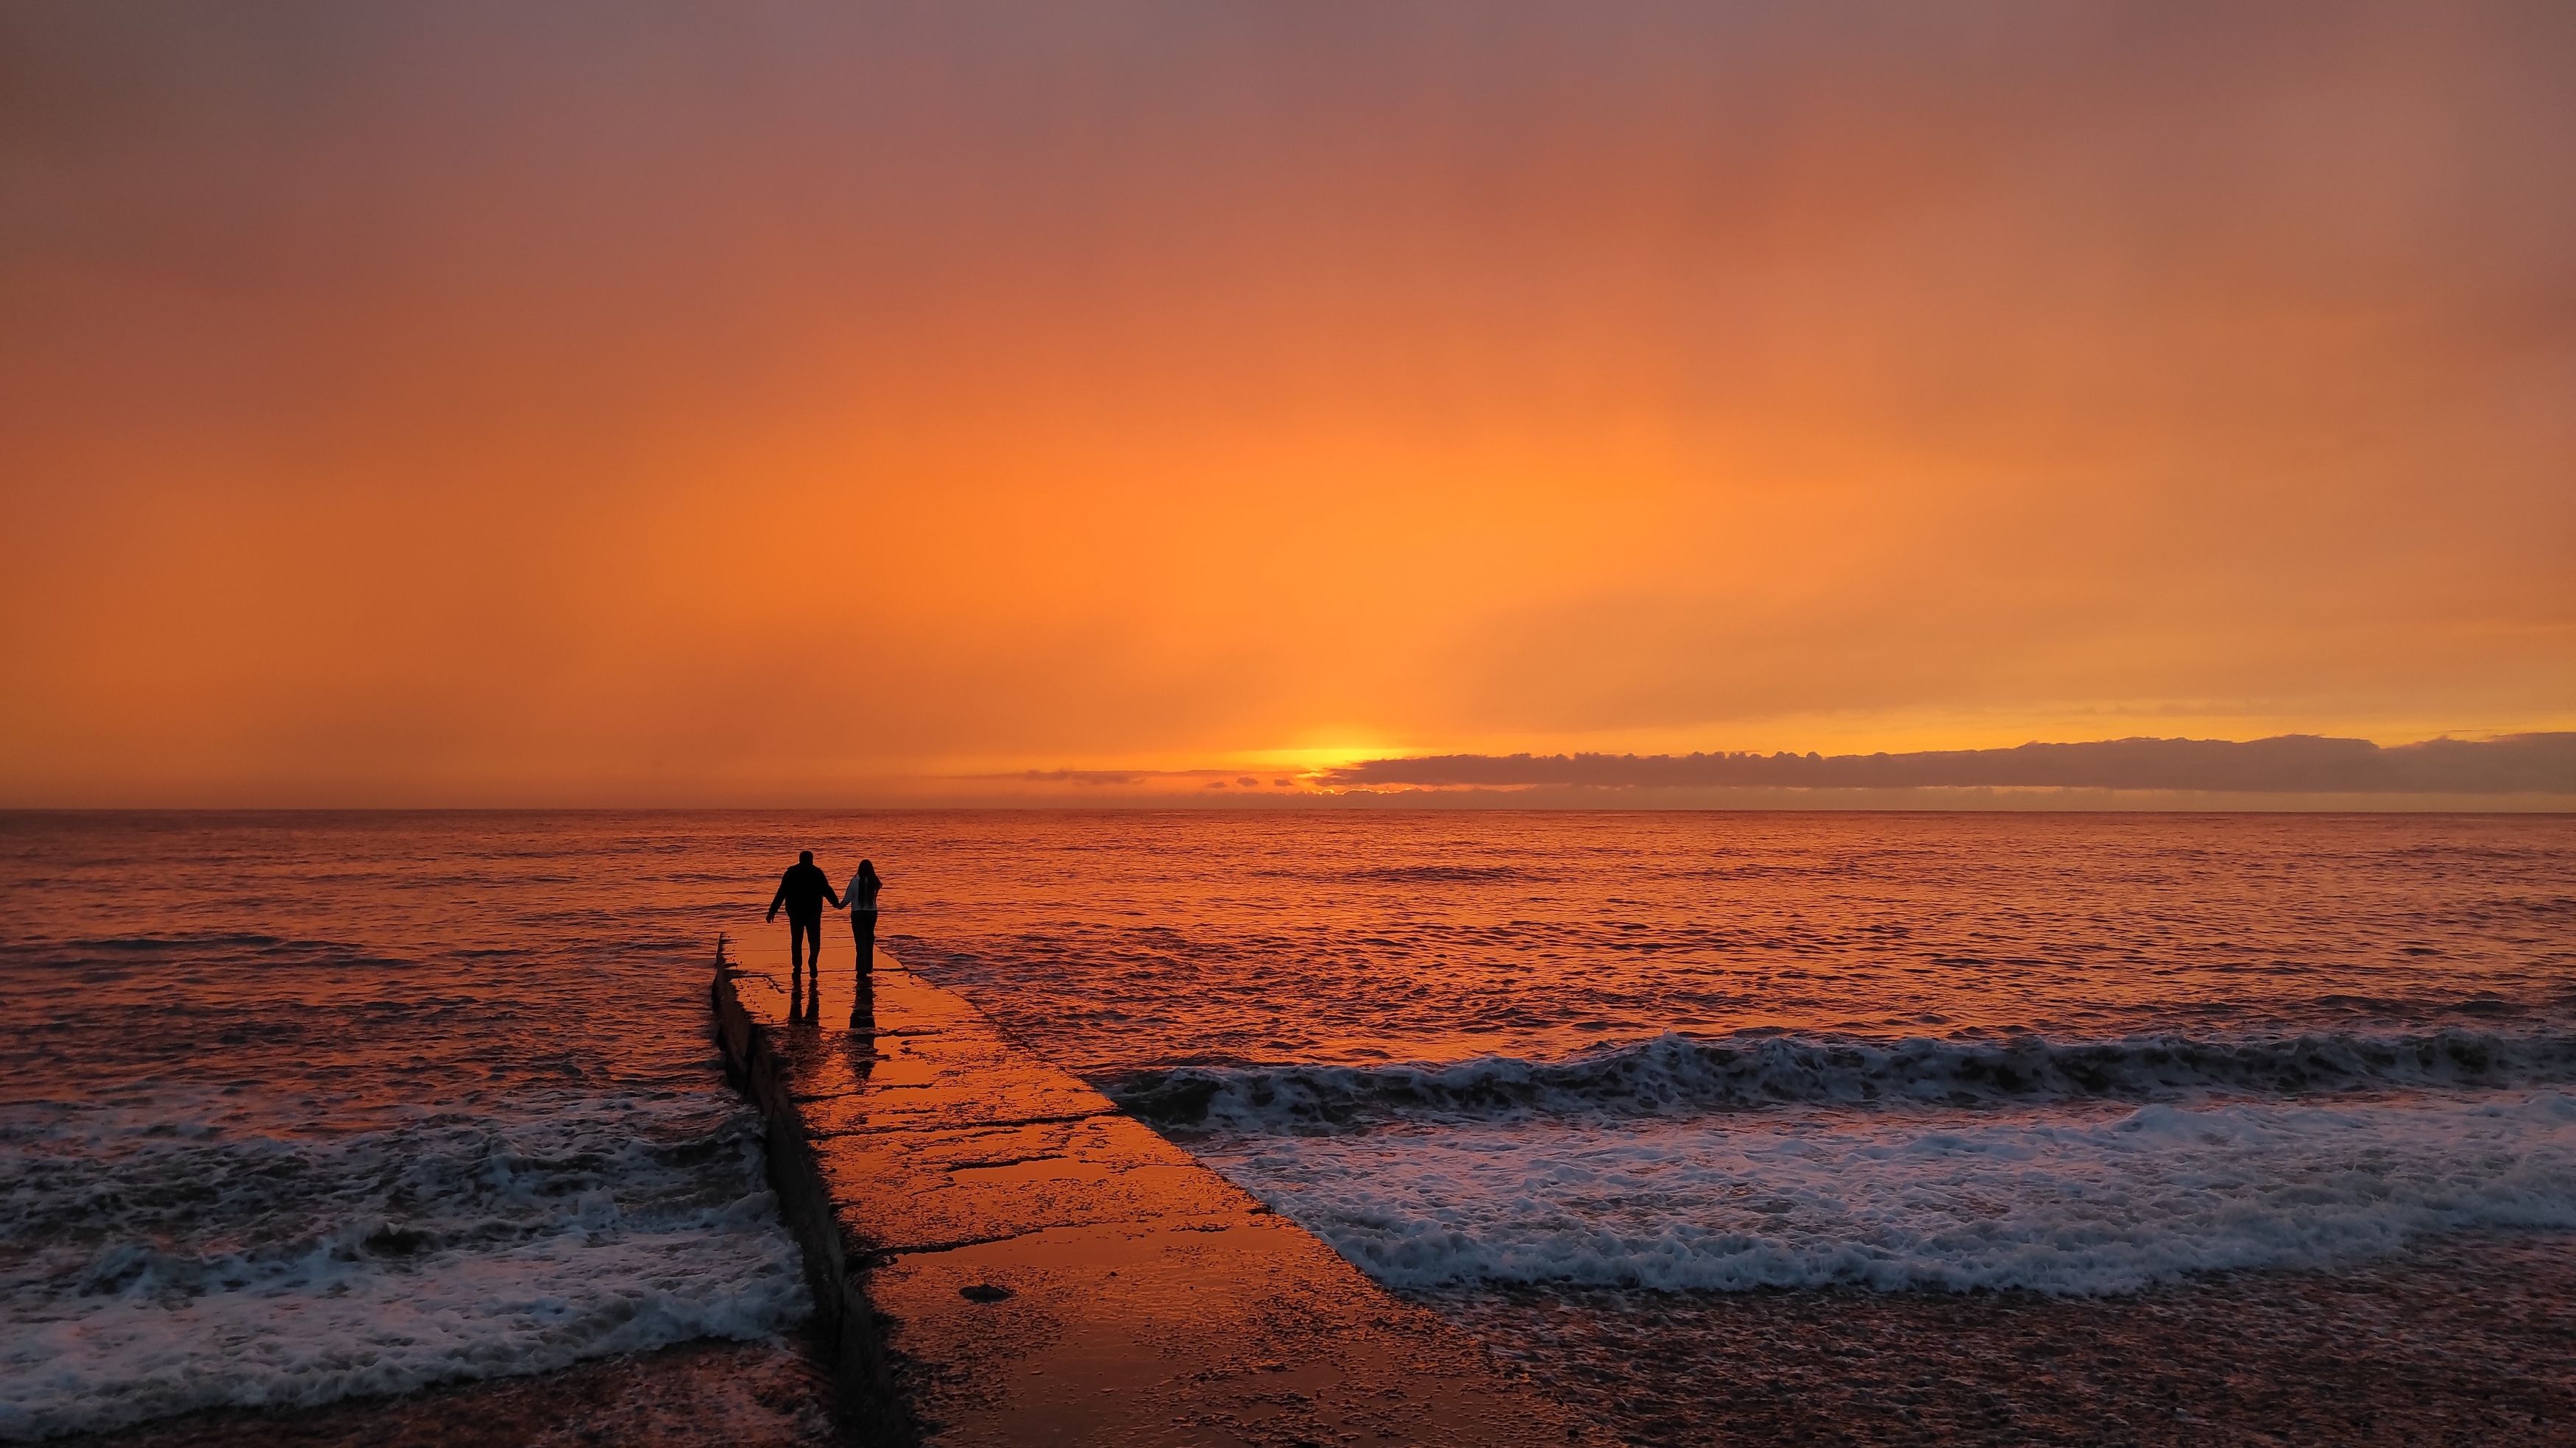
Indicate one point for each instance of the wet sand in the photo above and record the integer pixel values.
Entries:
(2470, 1341)
(744, 1395)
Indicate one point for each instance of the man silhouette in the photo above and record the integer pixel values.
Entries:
(802, 890)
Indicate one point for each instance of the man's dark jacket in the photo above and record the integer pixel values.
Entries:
(803, 889)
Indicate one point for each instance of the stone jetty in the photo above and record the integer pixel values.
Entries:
(1000, 1257)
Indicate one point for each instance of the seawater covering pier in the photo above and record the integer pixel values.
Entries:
(999, 1256)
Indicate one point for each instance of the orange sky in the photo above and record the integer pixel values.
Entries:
(639, 405)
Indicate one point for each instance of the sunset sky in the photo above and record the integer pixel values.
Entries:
(636, 404)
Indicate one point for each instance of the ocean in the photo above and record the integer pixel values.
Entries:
(1887, 1127)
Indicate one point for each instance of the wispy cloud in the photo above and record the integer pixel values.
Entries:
(1135, 779)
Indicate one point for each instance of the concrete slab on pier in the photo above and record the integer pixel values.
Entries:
(1007, 1259)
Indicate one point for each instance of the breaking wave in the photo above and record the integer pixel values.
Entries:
(153, 1266)
(1673, 1074)
(2070, 1200)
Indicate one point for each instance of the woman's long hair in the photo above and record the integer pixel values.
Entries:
(868, 872)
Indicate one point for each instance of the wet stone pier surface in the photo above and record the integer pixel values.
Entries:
(1000, 1257)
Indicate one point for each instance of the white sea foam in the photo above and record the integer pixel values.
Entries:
(179, 1274)
(1672, 1074)
(2074, 1199)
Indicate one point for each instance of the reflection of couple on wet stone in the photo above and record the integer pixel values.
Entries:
(802, 893)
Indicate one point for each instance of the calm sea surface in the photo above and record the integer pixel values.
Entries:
(308, 1106)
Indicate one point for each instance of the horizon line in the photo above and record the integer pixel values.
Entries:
(2290, 773)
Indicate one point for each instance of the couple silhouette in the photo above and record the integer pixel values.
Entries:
(802, 892)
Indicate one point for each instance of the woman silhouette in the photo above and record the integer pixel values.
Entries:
(862, 899)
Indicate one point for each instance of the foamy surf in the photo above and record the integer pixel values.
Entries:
(2065, 1200)
(262, 1272)
(1674, 1074)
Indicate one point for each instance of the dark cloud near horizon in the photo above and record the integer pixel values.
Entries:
(2288, 764)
